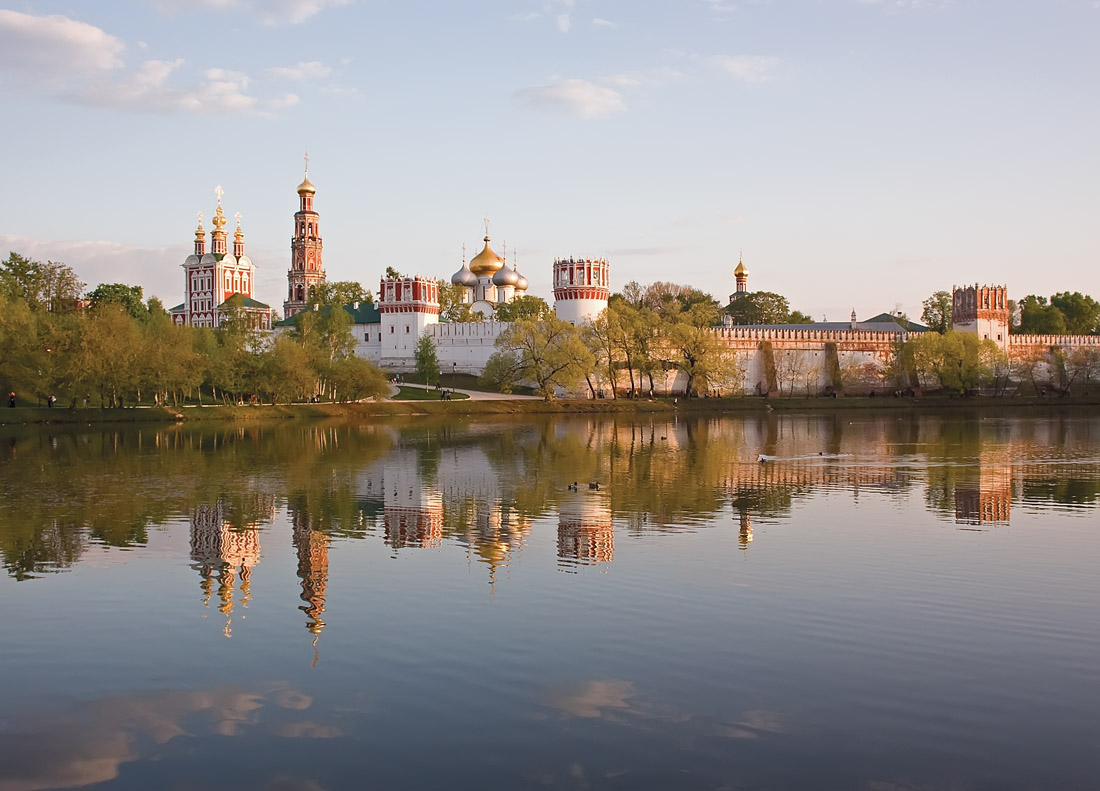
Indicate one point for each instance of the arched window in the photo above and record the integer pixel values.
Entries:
(301, 293)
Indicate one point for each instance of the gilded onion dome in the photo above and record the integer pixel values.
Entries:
(740, 270)
(486, 262)
(306, 188)
(464, 277)
(506, 276)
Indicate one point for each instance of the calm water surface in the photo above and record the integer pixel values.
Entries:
(886, 602)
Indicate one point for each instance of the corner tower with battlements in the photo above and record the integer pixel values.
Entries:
(581, 288)
(306, 269)
(982, 310)
(407, 306)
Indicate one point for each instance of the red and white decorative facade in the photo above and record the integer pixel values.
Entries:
(306, 269)
(982, 310)
(211, 279)
(407, 307)
(581, 288)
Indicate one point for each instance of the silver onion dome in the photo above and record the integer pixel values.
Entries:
(521, 282)
(505, 276)
(464, 277)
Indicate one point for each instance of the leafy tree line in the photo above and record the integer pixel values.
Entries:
(645, 332)
(117, 350)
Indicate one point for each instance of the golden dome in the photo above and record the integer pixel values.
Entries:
(486, 262)
(740, 270)
(306, 188)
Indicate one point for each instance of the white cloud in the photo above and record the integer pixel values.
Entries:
(77, 62)
(576, 97)
(286, 100)
(268, 12)
(564, 22)
(305, 70)
(747, 68)
(597, 22)
(48, 48)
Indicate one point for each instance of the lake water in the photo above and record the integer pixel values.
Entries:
(887, 602)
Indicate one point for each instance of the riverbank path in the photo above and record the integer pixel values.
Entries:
(475, 395)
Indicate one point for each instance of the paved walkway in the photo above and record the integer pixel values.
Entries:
(475, 395)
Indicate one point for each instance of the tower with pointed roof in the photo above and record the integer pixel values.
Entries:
(741, 279)
(306, 269)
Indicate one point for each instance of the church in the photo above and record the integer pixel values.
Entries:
(218, 284)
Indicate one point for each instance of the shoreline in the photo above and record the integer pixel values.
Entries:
(474, 408)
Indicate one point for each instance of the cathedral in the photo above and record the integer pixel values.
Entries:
(218, 284)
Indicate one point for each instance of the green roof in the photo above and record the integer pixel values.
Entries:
(241, 301)
(178, 307)
(366, 313)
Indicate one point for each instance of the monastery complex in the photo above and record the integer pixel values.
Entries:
(797, 358)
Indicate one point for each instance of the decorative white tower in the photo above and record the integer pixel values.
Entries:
(581, 288)
(407, 306)
(982, 310)
(305, 251)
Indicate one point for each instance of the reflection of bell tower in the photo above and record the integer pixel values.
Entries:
(586, 533)
(221, 553)
(744, 535)
(312, 548)
(305, 251)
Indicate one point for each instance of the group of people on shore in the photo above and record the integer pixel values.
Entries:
(50, 400)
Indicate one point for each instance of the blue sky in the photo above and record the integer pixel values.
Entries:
(863, 154)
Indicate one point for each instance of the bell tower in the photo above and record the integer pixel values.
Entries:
(305, 251)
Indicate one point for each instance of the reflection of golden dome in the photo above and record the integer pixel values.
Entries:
(305, 188)
(486, 262)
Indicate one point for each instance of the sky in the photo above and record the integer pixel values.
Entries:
(859, 154)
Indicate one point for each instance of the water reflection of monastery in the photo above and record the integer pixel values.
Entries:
(223, 553)
(429, 493)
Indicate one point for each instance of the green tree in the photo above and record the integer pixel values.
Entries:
(353, 378)
(937, 312)
(693, 348)
(548, 353)
(759, 307)
(1081, 312)
(957, 361)
(798, 317)
(393, 274)
(339, 292)
(287, 372)
(119, 295)
(523, 307)
(451, 306)
(49, 286)
(1039, 317)
(427, 361)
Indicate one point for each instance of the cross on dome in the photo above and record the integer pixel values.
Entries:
(219, 192)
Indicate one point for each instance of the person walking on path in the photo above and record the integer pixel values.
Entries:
(11, 399)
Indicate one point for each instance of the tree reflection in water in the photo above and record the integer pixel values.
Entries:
(482, 485)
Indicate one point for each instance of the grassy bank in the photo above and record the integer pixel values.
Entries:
(22, 415)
